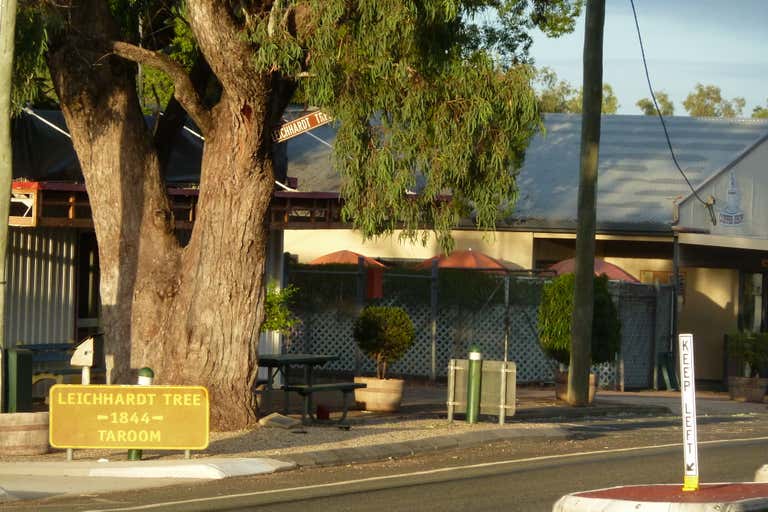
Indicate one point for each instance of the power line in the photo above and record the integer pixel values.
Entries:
(708, 204)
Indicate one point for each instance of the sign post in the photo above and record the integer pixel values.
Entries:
(688, 398)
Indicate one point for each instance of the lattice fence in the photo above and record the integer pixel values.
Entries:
(458, 327)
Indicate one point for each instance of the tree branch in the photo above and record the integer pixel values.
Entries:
(183, 90)
(172, 121)
(218, 35)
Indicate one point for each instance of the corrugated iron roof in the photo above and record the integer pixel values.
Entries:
(638, 181)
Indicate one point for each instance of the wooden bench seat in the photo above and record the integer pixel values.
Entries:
(306, 391)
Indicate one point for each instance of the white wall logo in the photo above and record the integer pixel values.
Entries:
(732, 214)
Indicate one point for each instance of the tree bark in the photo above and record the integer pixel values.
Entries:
(583, 302)
(131, 214)
(192, 314)
(210, 322)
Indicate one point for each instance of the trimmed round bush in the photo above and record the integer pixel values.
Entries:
(555, 316)
(384, 333)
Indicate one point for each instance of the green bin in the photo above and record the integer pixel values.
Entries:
(18, 366)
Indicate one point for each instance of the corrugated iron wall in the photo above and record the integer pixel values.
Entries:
(40, 303)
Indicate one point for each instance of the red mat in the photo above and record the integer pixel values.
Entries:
(707, 493)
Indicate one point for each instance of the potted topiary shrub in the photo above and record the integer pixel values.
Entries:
(384, 334)
(554, 327)
(751, 350)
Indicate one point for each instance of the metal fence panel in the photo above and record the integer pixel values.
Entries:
(461, 325)
(40, 303)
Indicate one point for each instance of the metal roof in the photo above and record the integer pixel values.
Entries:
(637, 180)
(637, 184)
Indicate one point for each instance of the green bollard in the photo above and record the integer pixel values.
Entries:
(474, 377)
(146, 375)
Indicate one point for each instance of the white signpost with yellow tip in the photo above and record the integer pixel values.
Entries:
(688, 409)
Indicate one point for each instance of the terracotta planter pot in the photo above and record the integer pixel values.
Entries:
(747, 389)
(24, 433)
(383, 395)
(561, 386)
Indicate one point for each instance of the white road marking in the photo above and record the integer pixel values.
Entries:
(419, 473)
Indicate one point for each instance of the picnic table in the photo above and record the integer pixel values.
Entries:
(280, 363)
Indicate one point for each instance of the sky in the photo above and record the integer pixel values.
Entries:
(713, 42)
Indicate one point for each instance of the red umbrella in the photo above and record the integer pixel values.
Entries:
(601, 267)
(470, 259)
(345, 258)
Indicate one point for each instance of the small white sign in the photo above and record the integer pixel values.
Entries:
(688, 398)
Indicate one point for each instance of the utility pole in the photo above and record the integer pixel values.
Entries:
(583, 300)
(7, 33)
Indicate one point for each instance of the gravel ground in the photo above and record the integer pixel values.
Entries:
(274, 442)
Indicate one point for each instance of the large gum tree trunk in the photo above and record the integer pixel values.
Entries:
(190, 313)
(209, 332)
(130, 209)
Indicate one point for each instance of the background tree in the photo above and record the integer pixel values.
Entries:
(411, 86)
(559, 96)
(610, 103)
(760, 112)
(707, 101)
(665, 104)
(553, 93)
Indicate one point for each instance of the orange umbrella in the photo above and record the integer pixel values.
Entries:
(601, 267)
(470, 259)
(345, 258)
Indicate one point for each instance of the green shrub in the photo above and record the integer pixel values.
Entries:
(277, 313)
(384, 334)
(749, 347)
(555, 316)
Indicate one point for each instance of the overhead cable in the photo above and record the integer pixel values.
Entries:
(708, 204)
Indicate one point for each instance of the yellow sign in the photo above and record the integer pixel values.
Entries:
(160, 417)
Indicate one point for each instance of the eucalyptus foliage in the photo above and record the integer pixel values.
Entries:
(432, 99)
(417, 113)
(707, 101)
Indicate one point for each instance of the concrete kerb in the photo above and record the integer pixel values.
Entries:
(409, 448)
(593, 411)
(209, 469)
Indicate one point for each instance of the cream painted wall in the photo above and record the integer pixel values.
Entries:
(709, 312)
(513, 248)
(636, 265)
